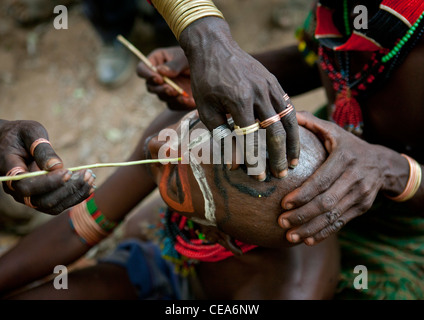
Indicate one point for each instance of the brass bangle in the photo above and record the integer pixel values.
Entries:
(413, 183)
(195, 18)
(179, 14)
(246, 130)
(187, 11)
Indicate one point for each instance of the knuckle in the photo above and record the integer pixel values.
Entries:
(290, 121)
(346, 156)
(327, 202)
(326, 233)
(276, 133)
(307, 232)
(333, 228)
(300, 219)
(333, 215)
(338, 225)
(358, 177)
(302, 198)
(323, 183)
(365, 205)
(364, 189)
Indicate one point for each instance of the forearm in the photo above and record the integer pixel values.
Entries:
(204, 33)
(127, 186)
(56, 243)
(36, 255)
(291, 70)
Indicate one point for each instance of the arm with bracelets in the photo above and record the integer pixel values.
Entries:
(227, 80)
(68, 236)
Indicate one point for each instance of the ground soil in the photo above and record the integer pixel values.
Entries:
(48, 75)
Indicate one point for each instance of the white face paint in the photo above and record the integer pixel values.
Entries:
(199, 174)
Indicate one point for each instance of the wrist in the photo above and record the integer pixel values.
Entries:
(395, 171)
(179, 14)
(205, 33)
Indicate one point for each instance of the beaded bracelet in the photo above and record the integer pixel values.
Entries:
(414, 181)
(179, 14)
(89, 223)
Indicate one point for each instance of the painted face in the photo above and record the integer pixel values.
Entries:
(233, 201)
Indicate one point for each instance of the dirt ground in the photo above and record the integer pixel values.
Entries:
(48, 75)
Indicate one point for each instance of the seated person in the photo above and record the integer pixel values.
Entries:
(243, 254)
(358, 193)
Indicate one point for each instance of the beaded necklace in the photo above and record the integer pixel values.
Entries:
(184, 245)
(347, 112)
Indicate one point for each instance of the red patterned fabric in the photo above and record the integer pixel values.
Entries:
(325, 27)
(359, 41)
(409, 10)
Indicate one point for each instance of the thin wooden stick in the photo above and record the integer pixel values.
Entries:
(146, 61)
(90, 166)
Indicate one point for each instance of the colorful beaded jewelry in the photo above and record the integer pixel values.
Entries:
(392, 53)
(89, 223)
(184, 245)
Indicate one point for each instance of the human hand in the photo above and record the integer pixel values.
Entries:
(227, 80)
(344, 187)
(172, 63)
(51, 193)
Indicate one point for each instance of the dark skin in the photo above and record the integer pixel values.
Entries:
(51, 193)
(348, 182)
(227, 80)
(54, 243)
(357, 169)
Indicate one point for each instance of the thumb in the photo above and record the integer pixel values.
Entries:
(172, 68)
(46, 158)
(40, 148)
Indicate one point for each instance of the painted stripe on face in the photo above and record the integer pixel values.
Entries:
(200, 177)
(187, 204)
(199, 174)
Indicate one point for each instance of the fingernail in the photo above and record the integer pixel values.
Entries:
(156, 80)
(295, 237)
(164, 68)
(289, 206)
(52, 162)
(67, 176)
(87, 175)
(91, 180)
(92, 173)
(262, 177)
(75, 176)
(91, 190)
(285, 223)
(283, 174)
(294, 163)
(309, 241)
